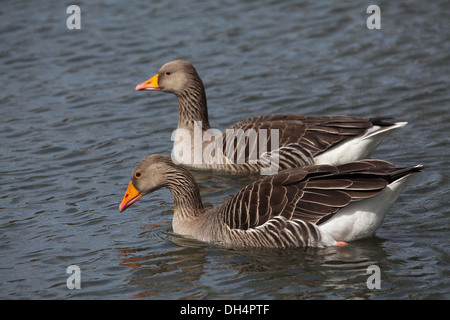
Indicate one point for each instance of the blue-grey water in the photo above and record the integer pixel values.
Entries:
(72, 128)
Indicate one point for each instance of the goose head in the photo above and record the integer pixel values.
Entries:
(149, 175)
(174, 77)
(158, 171)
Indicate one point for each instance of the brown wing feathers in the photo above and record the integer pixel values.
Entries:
(300, 137)
(311, 195)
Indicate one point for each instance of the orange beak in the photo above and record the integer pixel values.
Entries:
(149, 85)
(131, 196)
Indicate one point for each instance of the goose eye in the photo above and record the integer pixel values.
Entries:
(138, 174)
(168, 73)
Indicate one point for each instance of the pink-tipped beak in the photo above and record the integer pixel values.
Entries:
(131, 196)
(149, 85)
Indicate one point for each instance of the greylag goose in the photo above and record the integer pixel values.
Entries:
(281, 141)
(319, 205)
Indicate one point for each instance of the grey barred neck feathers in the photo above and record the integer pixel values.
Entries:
(192, 106)
(185, 192)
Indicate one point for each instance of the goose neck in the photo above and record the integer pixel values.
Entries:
(186, 195)
(192, 107)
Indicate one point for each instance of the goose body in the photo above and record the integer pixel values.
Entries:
(319, 205)
(300, 140)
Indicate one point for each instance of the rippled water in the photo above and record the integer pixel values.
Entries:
(72, 128)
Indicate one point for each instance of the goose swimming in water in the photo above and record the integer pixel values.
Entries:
(319, 205)
(301, 140)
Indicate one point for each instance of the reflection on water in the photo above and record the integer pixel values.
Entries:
(267, 273)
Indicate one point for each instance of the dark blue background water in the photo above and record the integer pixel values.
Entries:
(72, 128)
